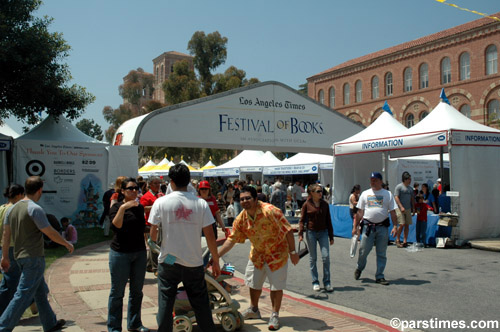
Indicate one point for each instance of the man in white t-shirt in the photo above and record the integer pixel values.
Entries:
(374, 206)
(182, 217)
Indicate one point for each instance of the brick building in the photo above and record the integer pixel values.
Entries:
(463, 60)
(163, 65)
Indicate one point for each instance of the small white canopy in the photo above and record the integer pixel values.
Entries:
(208, 165)
(247, 161)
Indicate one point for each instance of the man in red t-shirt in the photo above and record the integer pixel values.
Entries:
(147, 200)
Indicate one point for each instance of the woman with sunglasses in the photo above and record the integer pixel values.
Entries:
(316, 222)
(205, 192)
(127, 258)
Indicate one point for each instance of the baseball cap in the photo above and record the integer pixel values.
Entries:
(376, 175)
(204, 184)
(438, 180)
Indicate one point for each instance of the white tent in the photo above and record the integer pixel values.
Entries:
(145, 170)
(474, 159)
(248, 161)
(76, 168)
(7, 134)
(361, 154)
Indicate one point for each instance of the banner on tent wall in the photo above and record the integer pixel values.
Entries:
(74, 175)
(221, 172)
(393, 143)
(291, 169)
(459, 137)
(253, 169)
(421, 171)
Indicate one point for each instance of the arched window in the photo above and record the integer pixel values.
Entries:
(410, 121)
(424, 76)
(347, 93)
(423, 115)
(464, 66)
(321, 96)
(465, 110)
(162, 73)
(388, 84)
(445, 71)
(374, 87)
(491, 60)
(359, 91)
(408, 79)
(493, 110)
(157, 74)
(332, 97)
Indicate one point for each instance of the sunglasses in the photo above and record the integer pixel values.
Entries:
(203, 188)
(318, 191)
(246, 198)
(132, 188)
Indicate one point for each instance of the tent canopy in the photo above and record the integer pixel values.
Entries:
(247, 161)
(6, 130)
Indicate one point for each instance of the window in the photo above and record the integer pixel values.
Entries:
(157, 74)
(464, 66)
(346, 93)
(465, 110)
(162, 73)
(321, 97)
(424, 76)
(445, 71)
(491, 60)
(493, 110)
(388, 84)
(408, 79)
(410, 120)
(423, 115)
(375, 87)
(359, 91)
(332, 97)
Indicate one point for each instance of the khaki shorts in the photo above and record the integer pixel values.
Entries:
(254, 277)
(405, 217)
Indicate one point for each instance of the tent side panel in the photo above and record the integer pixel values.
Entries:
(122, 161)
(474, 175)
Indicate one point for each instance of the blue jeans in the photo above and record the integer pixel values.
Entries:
(421, 231)
(193, 279)
(124, 266)
(379, 237)
(237, 209)
(31, 285)
(9, 283)
(320, 237)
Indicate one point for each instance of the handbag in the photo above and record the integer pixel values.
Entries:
(302, 251)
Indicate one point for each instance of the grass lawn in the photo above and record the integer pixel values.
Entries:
(86, 236)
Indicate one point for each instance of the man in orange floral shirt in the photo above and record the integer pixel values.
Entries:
(272, 242)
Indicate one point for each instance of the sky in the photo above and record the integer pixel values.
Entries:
(274, 40)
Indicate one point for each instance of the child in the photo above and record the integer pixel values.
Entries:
(421, 229)
(230, 213)
(69, 231)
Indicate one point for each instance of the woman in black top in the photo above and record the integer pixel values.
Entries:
(127, 259)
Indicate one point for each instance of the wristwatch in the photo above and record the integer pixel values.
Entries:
(293, 252)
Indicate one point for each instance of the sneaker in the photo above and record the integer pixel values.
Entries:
(316, 288)
(329, 288)
(274, 323)
(357, 274)
(59, 325)
(140, 329)
(250, 314)
(382, 281)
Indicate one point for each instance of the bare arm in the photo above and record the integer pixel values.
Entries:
(228, 245)
(212, 246)
(291, 247)
(357, 219)
(153, 232)
(118, 219)
(394, 218)
(218, 218)
(56, 237)
(398, 202)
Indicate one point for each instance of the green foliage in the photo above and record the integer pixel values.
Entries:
(182, 84)
(32, 79)
(138, 86)
(90, 128)
(209, 52)
(303, 89)
(231, 79)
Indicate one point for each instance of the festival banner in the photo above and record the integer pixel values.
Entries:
(291, 169)
(459, 137)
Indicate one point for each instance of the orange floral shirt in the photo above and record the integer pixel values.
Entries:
(267, 234)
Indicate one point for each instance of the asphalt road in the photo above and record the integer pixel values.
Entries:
(439, 284)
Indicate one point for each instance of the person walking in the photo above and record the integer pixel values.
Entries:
(278, 197)
(374, 206)
(272, 242)
(26, 222)
(315, 220)
(127, 258)
(405, 199)
(205, 192)
(183, 217)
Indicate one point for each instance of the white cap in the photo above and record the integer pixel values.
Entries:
(438, 180)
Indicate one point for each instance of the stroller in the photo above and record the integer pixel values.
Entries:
(221, 303)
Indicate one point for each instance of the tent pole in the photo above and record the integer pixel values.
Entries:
(441, 166)
(385, 156)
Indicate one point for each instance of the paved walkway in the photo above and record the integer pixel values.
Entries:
(79, 287)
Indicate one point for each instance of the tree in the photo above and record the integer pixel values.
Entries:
(90, 128)
(303, 89)
(231, 79)
(182, 84)
(32, 79)
(209, 52)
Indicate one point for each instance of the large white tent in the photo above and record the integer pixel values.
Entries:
(248, 161)
(474, 159)
(76, 168)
